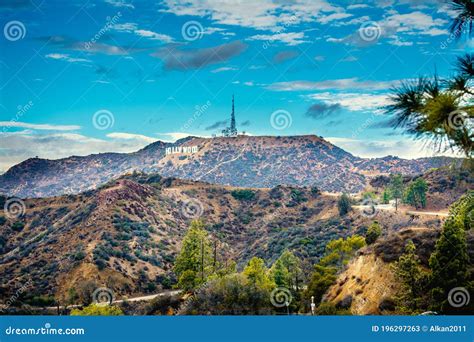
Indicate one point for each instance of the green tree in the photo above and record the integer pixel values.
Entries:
(257, 274)
(338, 253)
(321, 279)
(97, 310)
(344, 204)
(293, 266)
(195, 257)
(386, 196)
(396, 188)
(411, 276)
(229, 295)
(280, 274)
(463, 210)
(449, 263)
(368, 195)
(373, 233)
(416, 193)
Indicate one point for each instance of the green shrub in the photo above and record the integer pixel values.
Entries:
(344, 204)
(243, 195)
(373, 233)
(97, 310)
(18, 226)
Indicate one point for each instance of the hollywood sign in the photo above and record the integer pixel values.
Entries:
(181, 150)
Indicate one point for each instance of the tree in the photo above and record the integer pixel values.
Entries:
(373, 233)
(416, 193)
(338, 253)
(229, 295)
(449, 263)
(321, 279)
(439, 111)
(286, 271)
(386, 196)
(463, 210)
(463, 20)
(195, 257)
(257, 274)
(396, 188)
(280, 274)
(97, 310)
(344, 204)
(293, 266)
(411, 276)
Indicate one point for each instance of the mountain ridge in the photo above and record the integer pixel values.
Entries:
(243, 161)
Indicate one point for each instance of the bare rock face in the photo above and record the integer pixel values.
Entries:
(244, 161)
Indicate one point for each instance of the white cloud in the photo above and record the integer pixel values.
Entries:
(154, 36)
(49, 127)
(222, 69)
(341, 84)
(174, 135)
(332, 17)
(414, 21)
(353, 101)
(289, 38)
(120, 3)
(355, 21)
(133, 28)
(349, 59)
(406, 148)
(357, 6)
(131, 136)
(66, 57)
(127, 27)
(395, 27)
(262, 14)
(19, 146)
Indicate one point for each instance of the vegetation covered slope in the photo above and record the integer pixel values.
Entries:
(127, 233)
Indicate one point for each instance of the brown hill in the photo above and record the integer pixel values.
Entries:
(259, 162)
(127, 233)
(368, 285)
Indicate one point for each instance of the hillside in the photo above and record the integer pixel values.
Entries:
(368, 285)
(258, 162)
(128, 232)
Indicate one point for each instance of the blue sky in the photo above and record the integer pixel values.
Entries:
(82, 77)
